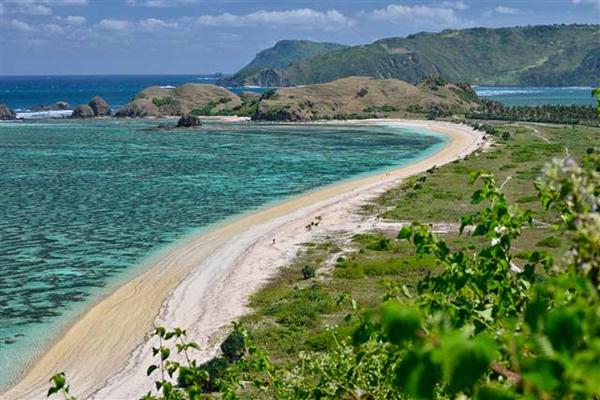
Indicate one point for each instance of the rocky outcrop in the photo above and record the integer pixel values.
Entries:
(58, 106)
(188, 121)
(6, 113)
(139, 108)
(100, 107)
(83, 111)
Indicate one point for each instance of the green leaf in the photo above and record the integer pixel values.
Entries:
(564, 329)
(405, 233)
(400, 322)
(151, 369)
(494, 393)
(465, 361)
(418, 376)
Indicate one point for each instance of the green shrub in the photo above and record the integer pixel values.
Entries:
(162, 101)
(308, 271)
(216, 369)
(300, 307)
(550, 241)
(233, 347)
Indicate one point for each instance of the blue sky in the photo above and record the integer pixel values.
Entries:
(196, 36)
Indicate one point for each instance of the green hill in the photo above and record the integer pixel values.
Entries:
(264, 69)
(554, 55)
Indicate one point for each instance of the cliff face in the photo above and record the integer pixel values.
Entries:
(358, 97)
(191, 98)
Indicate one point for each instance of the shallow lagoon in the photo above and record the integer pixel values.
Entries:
(83, 203)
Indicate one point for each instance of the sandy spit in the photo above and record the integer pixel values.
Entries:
(204, 283)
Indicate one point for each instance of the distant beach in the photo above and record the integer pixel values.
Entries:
(203, 283)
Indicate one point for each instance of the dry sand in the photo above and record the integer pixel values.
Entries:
(204, 283)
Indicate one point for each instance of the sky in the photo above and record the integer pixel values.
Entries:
(62, 37)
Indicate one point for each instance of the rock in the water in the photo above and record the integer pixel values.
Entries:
(6, 113)
(61, 105)
(139, 108)
(188, 121)
(83, 111)
(100, 107)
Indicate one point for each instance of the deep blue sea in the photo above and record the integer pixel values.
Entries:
(537, 95)
(23, 93)
(84, 202)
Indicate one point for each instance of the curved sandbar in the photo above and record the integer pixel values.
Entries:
(204, 283)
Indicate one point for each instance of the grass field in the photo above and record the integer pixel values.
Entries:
(293, 314)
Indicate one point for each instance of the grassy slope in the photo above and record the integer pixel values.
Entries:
(292, 314)
(523, 55)
(356, 95)
(283, 54)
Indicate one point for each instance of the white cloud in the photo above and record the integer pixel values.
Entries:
(303, 17)
(506, 10)
(67, 2)
(116, 25)
(155, 24)
(456, 5)
(159, 3)
(415, 14)
(595, 3)
(74, 19)
(502, 10)
(35, 7)
(53, 29)
(20, 26)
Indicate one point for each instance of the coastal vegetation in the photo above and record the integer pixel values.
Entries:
(502, 304)
(552, 55)
(549, 113)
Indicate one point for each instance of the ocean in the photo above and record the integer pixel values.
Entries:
(24, 93)
(85, 202)
(537, 95)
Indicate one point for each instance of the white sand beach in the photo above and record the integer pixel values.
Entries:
(203, 283)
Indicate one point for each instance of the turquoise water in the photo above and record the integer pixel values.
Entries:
(84, 202)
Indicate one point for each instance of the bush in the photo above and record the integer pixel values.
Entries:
(216, 369)
(234, 346)
(267, 94)
(162, 101)
(308, 271)
(550, 241)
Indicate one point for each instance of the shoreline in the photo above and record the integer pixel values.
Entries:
(203, 283)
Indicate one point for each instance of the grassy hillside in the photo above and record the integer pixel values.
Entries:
(358, 97)
(194, 98)
(534, 55)
(263, 69)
